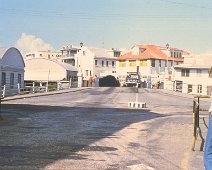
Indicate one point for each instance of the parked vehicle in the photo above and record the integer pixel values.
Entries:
(132, 79)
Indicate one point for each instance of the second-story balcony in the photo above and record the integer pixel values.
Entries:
(68, 56)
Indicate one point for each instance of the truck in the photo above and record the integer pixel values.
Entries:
(132, 79)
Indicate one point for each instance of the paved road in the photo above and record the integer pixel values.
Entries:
(94, 129)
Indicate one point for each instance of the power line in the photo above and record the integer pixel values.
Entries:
(105, 16)
(187, 4)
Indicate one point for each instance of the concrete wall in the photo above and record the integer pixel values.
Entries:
(194, 79)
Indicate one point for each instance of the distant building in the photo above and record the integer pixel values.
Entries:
(95, 63)
(115, 52)
(52, 55)
(154, 63)
(12, 70)
(193, 75)
(68, 54)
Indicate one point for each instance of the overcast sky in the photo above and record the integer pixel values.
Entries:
(51, 24)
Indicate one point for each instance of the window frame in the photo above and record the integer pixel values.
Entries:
(12, 80)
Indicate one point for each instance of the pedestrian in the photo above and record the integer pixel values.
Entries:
(90, 81)
(208, 144)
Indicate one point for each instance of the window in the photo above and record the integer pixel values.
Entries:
(117, 53)
(103, 63)
(90, 73)
(86, 72)
(113, 63)
(199, 88)
(153, 63)
(185, 72)
(159, 63)
(132, 63)
(189, 88)
(122, 64)
(49, 56)
(141, 50)
(3, 78)
(172, 53)
(199, 73)
(96, 62)
(143, 63)
(40, 55)
(11, 80)
(19, 79)
(107, 63)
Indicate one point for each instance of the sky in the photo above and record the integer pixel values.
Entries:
(51, 24)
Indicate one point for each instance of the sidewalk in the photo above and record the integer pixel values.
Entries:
(15, 97)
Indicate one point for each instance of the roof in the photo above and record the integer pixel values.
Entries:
(192, 66)
(150, 52)
(66, 66)
(99, 52)
(11, 56)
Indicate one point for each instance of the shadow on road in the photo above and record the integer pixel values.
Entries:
(33, 136)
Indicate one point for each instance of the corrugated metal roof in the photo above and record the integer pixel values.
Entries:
(66, 66)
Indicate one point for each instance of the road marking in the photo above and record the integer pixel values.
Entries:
(140, 167)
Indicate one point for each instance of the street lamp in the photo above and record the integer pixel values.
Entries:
(167, 47)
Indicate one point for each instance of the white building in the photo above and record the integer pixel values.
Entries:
(12, 70)
(95, 62)
(42, 69)
(154, 62)
(52, 55)
(68, 54)
(193, 76)
(115, 52)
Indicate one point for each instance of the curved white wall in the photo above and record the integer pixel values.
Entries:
(41, 69)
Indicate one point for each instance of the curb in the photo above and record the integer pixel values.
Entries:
(17, 97)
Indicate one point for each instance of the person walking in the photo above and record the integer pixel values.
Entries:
(208, 143)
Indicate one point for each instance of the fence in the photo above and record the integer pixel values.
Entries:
(197, 132)
(36, 87)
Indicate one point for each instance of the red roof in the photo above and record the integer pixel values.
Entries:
(150, 52)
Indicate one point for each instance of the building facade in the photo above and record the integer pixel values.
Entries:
(154, 63)
(95, 63)
(193, 76)
(52, 55)
(12, 71)
(68, 54)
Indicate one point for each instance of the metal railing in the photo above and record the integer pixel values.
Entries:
(197, 132)
(36, 87)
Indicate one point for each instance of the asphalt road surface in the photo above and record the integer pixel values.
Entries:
(95, 129)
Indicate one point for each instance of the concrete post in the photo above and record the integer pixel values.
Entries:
(47, 84)
(4, 91)
(19, 89)
(33, 87)
(79, 75)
